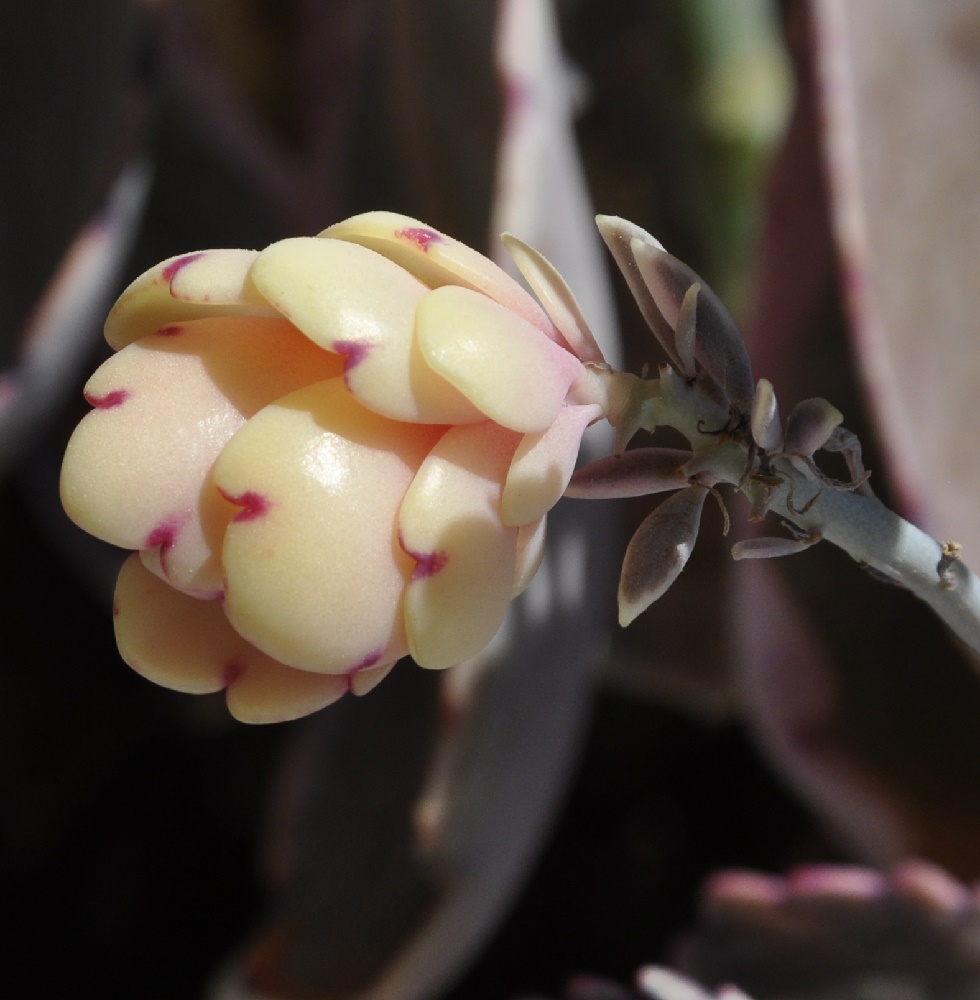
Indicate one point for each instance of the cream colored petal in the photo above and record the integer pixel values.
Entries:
(543, 465)
(498, 361)
(188, 645)
(465, 558)
(314, 573)
(437, 260)
(136, 471)
(530, 552)
(357, 303)
(556, 297)
(191, 286)
(362, 681)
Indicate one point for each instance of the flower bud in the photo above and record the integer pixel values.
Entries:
(326, 455)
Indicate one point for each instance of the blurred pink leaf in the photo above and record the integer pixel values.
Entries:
(541, 196)
(66, 324)
(898, 91)
(835, 932)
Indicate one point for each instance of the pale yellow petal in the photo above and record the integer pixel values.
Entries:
(191, 286)
(188, 645)
(437, 259)
(137, 469)
(314, 573)
(557, 298)
(543, 465)
(465, 558)
(501, 363)
(357, 303)
(530, 552)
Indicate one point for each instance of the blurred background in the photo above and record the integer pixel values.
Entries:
(816, 162)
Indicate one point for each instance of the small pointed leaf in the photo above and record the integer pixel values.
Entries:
(767, 432)
(619, 236)
(659, 551)
(719, 347)
(810, 425)
(686, 332)
(633, 473)
(770, 548)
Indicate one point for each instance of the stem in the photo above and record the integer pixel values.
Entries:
(878, 538)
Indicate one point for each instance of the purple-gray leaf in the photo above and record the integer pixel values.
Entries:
(767, 432)
(770, 548)
(809, 426)
(619, 236)
(719, 347)
(659, 551)
(686, 332)
(633, 473)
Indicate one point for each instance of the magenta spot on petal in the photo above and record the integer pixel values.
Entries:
(176, 266)
(253, 505)
(164, 535)
(353, 352)
(115, 609)
(368, 661)
(230, 672)
(114, 398)
(426, 563)
(420, 236)
(170, 331)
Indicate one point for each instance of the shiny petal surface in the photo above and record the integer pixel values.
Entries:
(465, 557)
(498, 361)
(354, 302)
(191, 286)
(136, 471)
(543, 465)
(437, 260)
(556, 297)
(188, 645)
(314, 574)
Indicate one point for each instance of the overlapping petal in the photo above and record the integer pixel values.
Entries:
(500, 362)
(465, 557)
(188, 645)
(543, 464)
(191, 286)
(314, 575)
(136, 471)
(437, 260)
(330, 290)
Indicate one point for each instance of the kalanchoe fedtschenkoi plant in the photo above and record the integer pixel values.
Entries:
(341, 450)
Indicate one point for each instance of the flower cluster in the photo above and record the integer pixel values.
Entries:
(327, 455)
